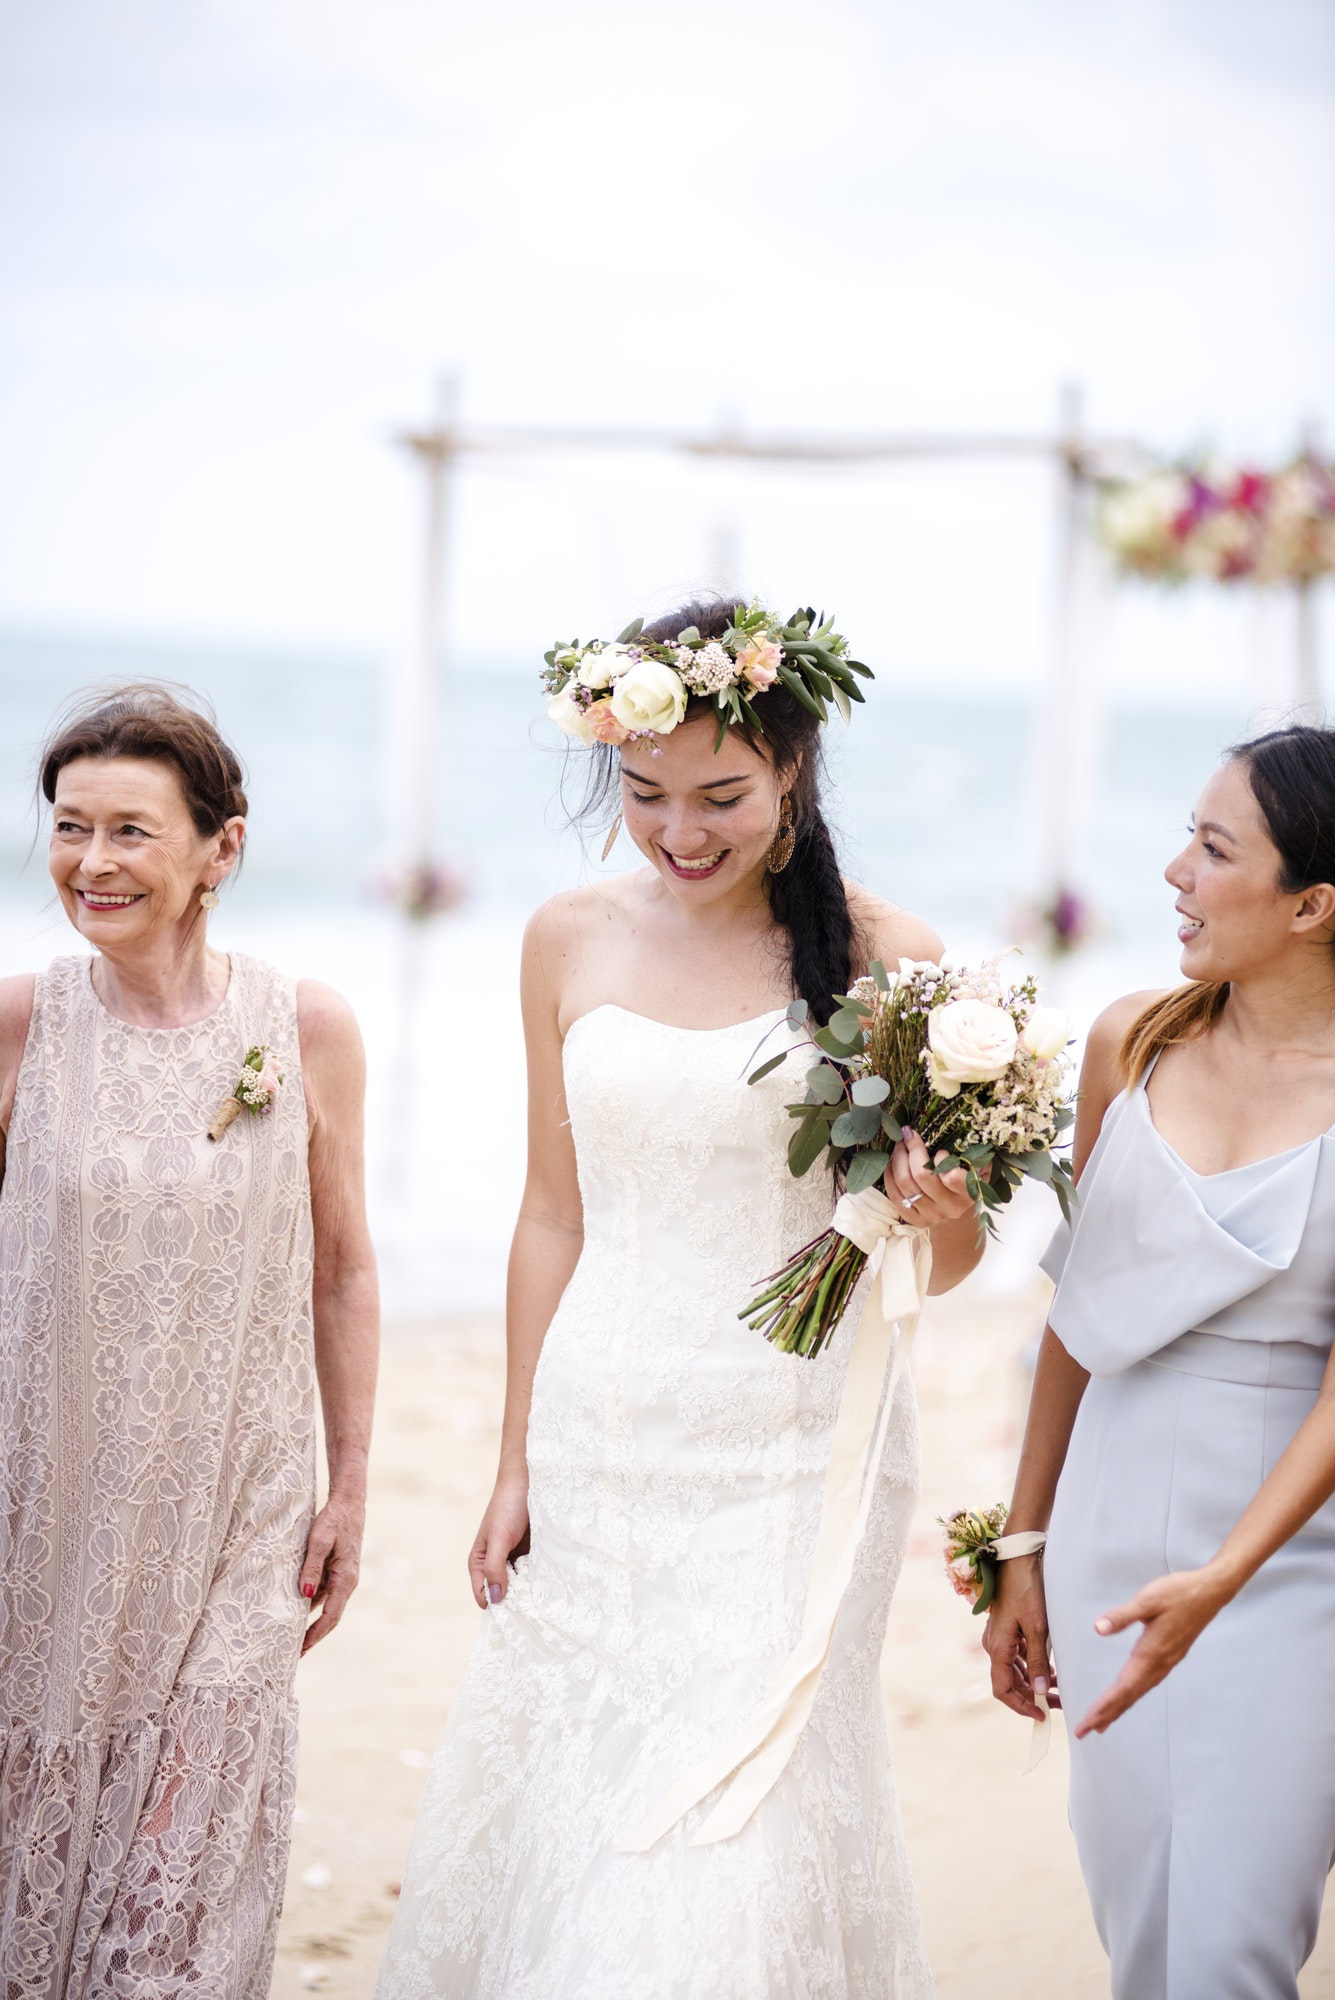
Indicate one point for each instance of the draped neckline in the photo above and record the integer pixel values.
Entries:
(1223, 1173)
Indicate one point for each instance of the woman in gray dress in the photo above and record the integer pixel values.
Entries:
(1182, 1429)
(171, 1285)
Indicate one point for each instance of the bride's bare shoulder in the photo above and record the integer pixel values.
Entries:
(890, 933)
(564, 928)
(572, 911)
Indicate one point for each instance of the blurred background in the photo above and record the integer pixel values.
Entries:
(244, 247)
(351, 355)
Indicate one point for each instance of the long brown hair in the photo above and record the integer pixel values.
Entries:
(1179, 1016)
(1292, 776)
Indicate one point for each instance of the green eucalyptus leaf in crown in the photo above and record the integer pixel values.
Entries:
(632, 688)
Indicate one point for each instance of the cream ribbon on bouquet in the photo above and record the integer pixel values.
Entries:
(750, 1764)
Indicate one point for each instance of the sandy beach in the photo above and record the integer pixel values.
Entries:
(1004, 1908)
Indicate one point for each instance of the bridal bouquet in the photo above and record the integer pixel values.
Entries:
(975, 1067)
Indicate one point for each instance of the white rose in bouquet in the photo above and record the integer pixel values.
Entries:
(568, 715)
(968, 1042)
(649, 696)
(1046, 1033)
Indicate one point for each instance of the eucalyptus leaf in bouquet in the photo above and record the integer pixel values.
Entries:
(973, 1065)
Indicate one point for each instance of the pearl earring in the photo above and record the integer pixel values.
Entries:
(209, 899)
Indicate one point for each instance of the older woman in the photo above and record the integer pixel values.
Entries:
(170, 1287)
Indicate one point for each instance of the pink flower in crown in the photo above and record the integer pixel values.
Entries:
(603, 723)
(758, 662)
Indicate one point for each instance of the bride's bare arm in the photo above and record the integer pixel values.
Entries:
(548, 1238)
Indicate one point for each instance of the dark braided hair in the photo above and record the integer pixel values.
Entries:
(808, 898)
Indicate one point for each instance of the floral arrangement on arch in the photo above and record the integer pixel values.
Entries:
(632, 688)
(1224, 525)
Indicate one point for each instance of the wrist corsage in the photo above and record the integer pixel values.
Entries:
(975, 1544)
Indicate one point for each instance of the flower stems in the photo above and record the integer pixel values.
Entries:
(803, 1303)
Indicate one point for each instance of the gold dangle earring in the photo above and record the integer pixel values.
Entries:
(611, 839)
(781, 847)
(208, 899)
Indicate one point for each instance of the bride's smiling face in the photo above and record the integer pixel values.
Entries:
(706, 821)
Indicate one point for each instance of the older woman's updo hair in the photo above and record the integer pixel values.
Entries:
(155, 720)
(807, 898)
(1292, 776)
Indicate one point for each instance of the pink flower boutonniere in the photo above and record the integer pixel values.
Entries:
(256, 1088)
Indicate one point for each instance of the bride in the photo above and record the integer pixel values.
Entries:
(645, 1558)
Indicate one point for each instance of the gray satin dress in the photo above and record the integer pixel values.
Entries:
(1203, 1306)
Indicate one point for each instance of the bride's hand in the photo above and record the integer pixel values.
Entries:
(1016, 1639)
(504, 1533)
(921, 1195)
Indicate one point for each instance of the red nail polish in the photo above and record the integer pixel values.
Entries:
(308, 1590)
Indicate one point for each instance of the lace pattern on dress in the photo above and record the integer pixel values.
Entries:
(156, 1488)
(676, 1465)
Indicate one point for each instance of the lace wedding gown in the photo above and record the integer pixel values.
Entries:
(676, 1467)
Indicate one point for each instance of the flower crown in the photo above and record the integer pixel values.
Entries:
(634, 688)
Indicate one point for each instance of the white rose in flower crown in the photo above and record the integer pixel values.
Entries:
(649, 696)
(969, 1042)
(568, 715)
(600, 669)
(1046, 1033)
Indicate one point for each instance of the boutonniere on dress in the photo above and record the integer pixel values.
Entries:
(256, 1088)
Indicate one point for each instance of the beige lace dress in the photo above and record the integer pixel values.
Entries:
(156, 1489)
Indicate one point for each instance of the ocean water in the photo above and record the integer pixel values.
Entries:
(933, 793)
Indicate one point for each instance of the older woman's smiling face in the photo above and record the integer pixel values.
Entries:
(125, 855)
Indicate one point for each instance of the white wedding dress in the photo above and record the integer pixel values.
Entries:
(676, 1467)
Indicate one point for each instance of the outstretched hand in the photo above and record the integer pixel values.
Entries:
(1174, 1611)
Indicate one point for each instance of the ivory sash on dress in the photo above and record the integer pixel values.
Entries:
(750, 1764)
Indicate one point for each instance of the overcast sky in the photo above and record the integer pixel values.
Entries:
(239, 238)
